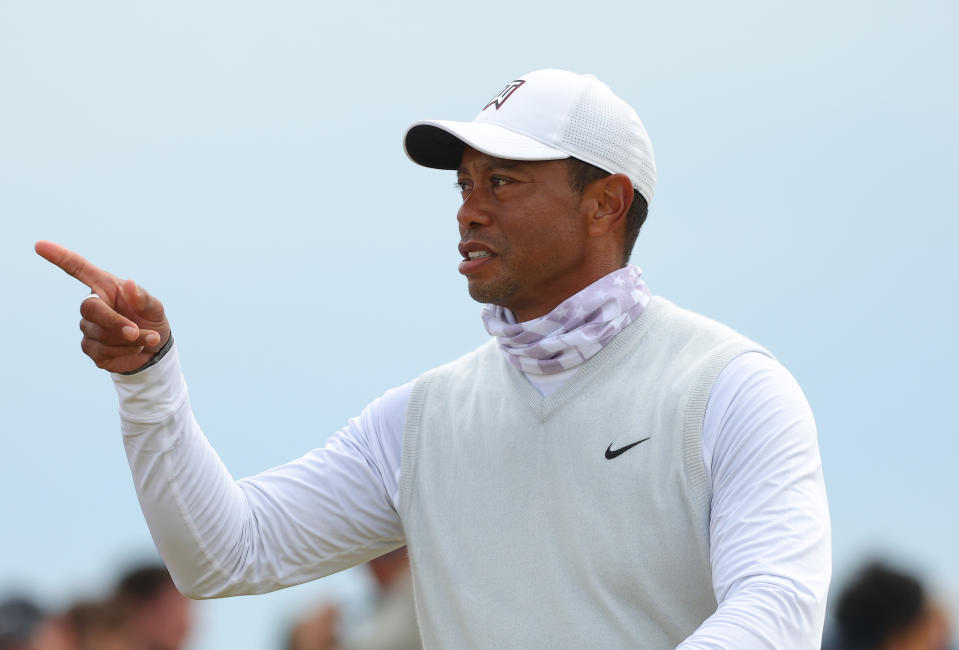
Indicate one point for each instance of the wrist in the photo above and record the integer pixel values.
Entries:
(159, 354)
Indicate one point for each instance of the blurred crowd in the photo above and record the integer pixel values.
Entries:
(879, 608)
(143, 612)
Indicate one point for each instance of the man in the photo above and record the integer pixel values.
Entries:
(24, 626)
(882, 608)
(155, 614)
(609, 471)
(390, 626)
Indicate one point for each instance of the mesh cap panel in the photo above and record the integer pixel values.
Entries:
(604, 131)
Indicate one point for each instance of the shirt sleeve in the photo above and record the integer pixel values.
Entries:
(769, 526)
(331, 509)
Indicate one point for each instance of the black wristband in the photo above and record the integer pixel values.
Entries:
(159, 354)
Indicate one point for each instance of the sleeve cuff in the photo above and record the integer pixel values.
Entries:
(154, 392)
(156, 357)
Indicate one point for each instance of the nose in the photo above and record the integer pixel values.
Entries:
(475, 210)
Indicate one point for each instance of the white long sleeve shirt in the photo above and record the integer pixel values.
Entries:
(337, 505)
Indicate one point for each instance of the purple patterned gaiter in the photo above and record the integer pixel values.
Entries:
(576, 329)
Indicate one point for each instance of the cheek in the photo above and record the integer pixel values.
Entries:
(562, 233)
(545, 231)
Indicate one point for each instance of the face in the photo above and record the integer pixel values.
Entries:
(523, 233)
(165, 620)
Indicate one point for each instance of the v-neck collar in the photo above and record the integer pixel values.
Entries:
(544, 407)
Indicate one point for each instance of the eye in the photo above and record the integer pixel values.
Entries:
(464, 187)
(498, 181)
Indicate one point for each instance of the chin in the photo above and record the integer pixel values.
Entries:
(496, 292)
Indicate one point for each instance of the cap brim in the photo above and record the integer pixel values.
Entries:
(439, 143)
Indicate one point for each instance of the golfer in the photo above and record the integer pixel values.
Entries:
(608, 471)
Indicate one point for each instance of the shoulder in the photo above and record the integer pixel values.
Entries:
(387, 412)
(756, 410)
(468, 364)
(690, 348)
(749, 376)
(752, 385)
(686, 325)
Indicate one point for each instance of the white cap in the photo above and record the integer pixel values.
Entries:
(545, 115)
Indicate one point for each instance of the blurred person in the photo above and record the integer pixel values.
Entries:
(157, 616)
(98, 625)
(25, 626)
(882, 608)
(523, 476)
(20, 620)
(390, 626)
(316, 631)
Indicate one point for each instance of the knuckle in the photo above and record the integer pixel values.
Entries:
(88, 328)
(99, 314)
(90, 307)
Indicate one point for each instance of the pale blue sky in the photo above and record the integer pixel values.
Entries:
(243, 161)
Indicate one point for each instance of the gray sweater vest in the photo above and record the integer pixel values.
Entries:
(524, 533)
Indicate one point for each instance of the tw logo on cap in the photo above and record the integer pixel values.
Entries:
(505, 93)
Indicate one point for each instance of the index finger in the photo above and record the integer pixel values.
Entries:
(72, 263)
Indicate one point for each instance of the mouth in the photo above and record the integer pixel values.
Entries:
(475, 255)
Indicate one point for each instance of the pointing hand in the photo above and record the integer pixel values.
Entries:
(123, 326)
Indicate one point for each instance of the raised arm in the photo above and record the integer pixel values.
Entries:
(331, 509)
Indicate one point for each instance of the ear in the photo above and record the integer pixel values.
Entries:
(611, 198)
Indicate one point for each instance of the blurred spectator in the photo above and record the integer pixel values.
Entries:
(317, 631)
(20, 620)
(884, 609)
(24, 626)
(98, 626)
(156, 615)
(393, 623)
(392, 626)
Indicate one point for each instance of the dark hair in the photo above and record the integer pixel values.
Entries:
(143, 583)
(876, 604)
(582, 174)
(19, 619)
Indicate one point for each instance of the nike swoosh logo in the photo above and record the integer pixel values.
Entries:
(613, 453)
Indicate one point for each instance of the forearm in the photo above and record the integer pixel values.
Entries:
(219, 537)
(193, 508)
(766, 613)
